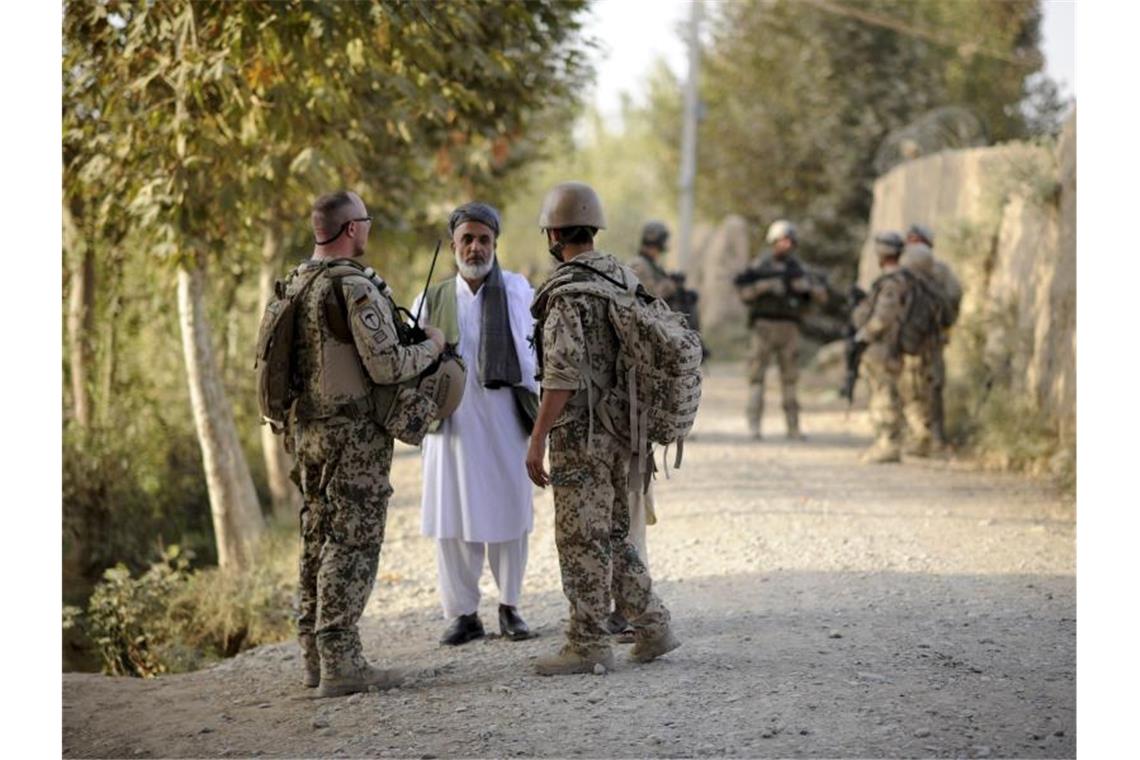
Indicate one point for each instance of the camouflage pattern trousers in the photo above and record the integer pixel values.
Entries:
(883, 372)
(591, 531)
(780, 340)
(343, 466)
(920, 385)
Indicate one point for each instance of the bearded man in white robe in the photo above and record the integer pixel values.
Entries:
(476, 493)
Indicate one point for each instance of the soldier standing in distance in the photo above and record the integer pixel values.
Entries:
(346, 341)
(925, 380)
(589, 466)
(654, 238)
(777, 291)
(879, 318)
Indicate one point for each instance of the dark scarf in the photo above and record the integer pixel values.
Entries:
(498, 361)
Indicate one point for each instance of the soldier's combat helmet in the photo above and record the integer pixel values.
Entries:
(654, 233)
(571, 204)
(889, 243)
(781, 228)
(922, 232)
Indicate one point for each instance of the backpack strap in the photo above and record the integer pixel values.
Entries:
(637, 291)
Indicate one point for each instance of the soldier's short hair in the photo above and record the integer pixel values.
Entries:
(330, 211)
(579, 235)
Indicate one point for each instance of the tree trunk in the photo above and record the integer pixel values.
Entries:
(80, 313)
(233, 502)
(278, 464)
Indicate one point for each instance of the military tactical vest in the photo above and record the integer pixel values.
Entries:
(339, 385)
(443, 311)
(788, 306)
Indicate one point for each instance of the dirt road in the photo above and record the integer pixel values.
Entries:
(827, 610)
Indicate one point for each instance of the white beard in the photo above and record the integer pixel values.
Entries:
(474, 272)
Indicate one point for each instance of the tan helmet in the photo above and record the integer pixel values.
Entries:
(781, 228)
(445, 385)
(571, 204)
(918, 257)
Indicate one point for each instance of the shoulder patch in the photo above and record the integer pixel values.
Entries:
(370, 318)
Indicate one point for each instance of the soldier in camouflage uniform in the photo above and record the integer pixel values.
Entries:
(924, 377)
(777, 291)
(346, 341)
(878, 318)
(654, 278)
(589, 465)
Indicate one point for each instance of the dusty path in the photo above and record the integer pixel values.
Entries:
(827, 610)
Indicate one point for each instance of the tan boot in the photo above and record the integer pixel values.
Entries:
(345, 671)
(645, 650)
(754, 412)
(919, 447)
(792, 419)
(882, 452)
(312, 660)
(569, 661)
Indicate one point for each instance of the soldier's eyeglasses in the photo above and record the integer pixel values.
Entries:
(344, 227)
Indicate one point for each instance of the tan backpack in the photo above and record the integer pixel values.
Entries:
(277, 384)
(658, 374)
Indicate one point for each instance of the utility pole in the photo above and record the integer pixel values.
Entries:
(689, 141)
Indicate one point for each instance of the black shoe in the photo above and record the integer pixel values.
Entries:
(511, 624)
(463, 629)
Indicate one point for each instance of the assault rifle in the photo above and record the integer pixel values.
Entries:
(853, 350)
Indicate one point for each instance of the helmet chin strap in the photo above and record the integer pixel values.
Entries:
(555, 250)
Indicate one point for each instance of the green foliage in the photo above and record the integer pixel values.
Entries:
(126, 616)
(173, 619)
(989, 415)
(798, 97)
(127, 489)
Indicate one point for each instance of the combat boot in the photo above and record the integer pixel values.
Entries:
(345, 671)
(919, 447)
(754, 412)
(648, 649)
(312, 660)
(792, 417)
(569, 661)
(882, 452)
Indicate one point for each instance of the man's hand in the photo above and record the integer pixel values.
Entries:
(801, 285)
(436, 337)
(535, 455)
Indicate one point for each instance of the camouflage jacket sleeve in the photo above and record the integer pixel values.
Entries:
(885, 312)
(374, 333)
(563, 344)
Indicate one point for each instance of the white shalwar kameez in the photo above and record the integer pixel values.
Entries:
(476, 493)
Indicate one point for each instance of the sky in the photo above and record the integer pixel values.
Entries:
(635, 33)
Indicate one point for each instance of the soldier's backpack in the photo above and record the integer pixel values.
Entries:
(923, 313)
(951, 289)
(658, 373)
(277, 385)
